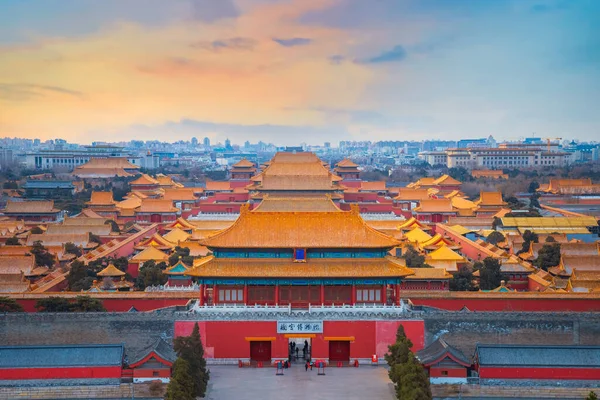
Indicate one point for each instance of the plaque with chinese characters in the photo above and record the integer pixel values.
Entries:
(299, 326)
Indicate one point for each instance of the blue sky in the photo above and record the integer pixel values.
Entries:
(291, 71)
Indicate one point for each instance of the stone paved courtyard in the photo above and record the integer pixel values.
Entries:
(230, 383)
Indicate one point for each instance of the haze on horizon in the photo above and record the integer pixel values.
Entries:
(290, 71)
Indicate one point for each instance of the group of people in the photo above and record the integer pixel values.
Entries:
(295, 349)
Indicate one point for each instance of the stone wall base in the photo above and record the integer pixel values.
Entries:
(508, 392)
(75, 392)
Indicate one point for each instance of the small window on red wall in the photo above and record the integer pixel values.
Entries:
(300, 255)
(155, 373)
(444, 373)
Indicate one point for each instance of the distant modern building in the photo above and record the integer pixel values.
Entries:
(68, 159)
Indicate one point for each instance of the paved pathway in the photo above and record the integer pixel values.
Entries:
(231, 383)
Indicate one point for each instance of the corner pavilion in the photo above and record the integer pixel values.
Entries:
(279, 255)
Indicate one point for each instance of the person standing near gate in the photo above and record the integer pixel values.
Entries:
(306, 346)
(297, 351)
(306, 365)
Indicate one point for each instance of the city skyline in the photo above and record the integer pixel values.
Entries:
(298, 71)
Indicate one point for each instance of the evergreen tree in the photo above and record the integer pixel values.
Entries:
(71, 248)
(151, 274)
(495, 238)
(190, 349)
(9, 305)
(413, 258)
(592, 396)
(548, 256)
(398, 353)
(181, 385)
(414, 382)
(462, 280)
(53, 304)
(43, 258)
(36, 230)
(489, 274)
(533, 186)
(86, 303)
(12, 241)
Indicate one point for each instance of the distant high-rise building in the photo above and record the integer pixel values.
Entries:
(194, 141)
(327, 145)
(228, 144)
(206, 143)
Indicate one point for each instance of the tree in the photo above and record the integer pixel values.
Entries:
(181, 386)
(533, 186)
(548, 256)
(9, 305)
(462, 280)
(495, 238)
(592, 396)
(550, 239)
(43, 258)
(514, 203)
(409, 377)
(36, 230)
(413, 258)
(489, 275)
(95, 238)
(53, 304)
(12, 241)
(529, 236)
(86, 303)
(496, 222)
(413, 381)
(72, 248)
(79, 276)
(151, 274)
(533, 200)
(114, 227)
(191, 350)
(398, 352)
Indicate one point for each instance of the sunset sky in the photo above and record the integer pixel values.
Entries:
(291, 71)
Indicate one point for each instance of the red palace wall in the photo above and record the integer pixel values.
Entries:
(225, 339)
(61, 373)
(539, 373)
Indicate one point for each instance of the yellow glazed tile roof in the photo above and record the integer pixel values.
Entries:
(299, 230)
(111, 270)
(416, 236)
(285, 268)
(176, 235)
(150, 253)
(444, 254)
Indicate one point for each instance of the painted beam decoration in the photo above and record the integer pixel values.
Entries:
(299, 326)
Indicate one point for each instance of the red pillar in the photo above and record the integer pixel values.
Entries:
(384, 294)
(397, 294)
(245, 294)
(276, 294)
(215, 295)
(353, 294)
(428, 285)
(322, 295)
(201, 299)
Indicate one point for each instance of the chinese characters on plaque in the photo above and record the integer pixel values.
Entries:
(299, 326)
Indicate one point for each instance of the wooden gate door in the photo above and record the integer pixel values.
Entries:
(339, 350)
(260, 351)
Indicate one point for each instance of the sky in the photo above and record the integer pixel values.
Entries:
(293, 71)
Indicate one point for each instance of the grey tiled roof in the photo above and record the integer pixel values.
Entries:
(61, 356)
(543, 356)
(160, 347)
(437, 350)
